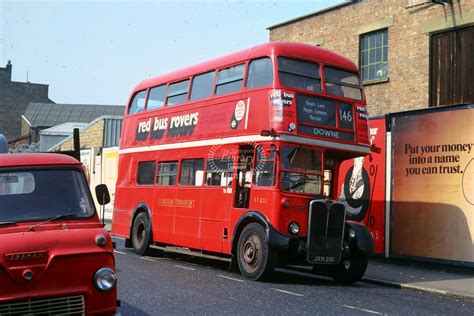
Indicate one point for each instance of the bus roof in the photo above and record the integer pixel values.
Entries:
(35, 159)
(267, 49)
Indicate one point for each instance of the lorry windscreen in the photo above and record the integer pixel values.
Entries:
(35, 195)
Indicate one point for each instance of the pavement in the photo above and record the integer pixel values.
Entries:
(444, 280)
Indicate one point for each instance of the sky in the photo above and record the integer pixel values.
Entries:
(95, 52)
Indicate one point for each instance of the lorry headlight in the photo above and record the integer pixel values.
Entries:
(294, 228)
(105, 279)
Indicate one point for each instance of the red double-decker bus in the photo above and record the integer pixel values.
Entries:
(239, 157)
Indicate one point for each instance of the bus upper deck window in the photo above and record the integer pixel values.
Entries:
(138, 103)
(177, 92)
(342, 83)
(299, 74)
(260, 73)
(230, 79)
(156, 99)
(202, 86)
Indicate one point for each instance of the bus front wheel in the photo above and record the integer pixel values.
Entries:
(141, 235)
(350, 270)
(255, 257)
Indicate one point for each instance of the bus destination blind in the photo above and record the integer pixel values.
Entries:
(316, 111)
(323, 112)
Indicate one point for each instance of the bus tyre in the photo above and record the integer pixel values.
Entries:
(350, 270)
(255, 257)
(141, 235)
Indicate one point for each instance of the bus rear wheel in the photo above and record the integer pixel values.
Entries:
(350, 270)
(141, 235)
(255, 257)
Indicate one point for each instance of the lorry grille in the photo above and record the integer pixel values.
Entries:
(71, 305)
(325, 232)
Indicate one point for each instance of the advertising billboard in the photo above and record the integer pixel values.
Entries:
(433, 184)
(362, 187)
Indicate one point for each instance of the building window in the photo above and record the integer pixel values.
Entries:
(373, 56)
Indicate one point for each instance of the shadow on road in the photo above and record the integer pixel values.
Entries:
(127, 309)
(283, 275)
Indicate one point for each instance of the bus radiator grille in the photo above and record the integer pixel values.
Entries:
(325, 232)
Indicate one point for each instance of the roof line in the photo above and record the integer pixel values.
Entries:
(75, 104)
(30, 83)
(24, 117)
(327, 9)
(103, 117)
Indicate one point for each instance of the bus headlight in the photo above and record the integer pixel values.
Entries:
(294, 228)
(352, 234)
(105, 279)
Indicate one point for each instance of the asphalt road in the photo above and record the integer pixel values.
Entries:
(173, 284)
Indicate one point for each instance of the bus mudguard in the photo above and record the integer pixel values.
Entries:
(142, 206)
(363, 237)
(275, 239)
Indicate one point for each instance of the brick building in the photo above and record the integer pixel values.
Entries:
(412, 53)
(14, 98)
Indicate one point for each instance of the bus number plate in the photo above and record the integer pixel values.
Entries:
(323, 259)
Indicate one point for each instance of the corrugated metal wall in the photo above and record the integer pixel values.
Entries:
(112, 132)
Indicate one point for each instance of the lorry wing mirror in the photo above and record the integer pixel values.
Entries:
(102, 194)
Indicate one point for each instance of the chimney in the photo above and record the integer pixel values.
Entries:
(6, 73)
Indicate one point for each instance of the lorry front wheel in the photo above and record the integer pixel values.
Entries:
(255, 257)
(141, 235)
(350, 270)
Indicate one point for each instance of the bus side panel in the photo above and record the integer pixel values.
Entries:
(122, 216)
(257, 118)
(215, 206)
(266, 201)
(163, 213)
(187, 216)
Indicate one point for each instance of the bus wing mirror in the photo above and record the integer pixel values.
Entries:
(102, 194)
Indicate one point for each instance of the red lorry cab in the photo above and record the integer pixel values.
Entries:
(55, 256)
